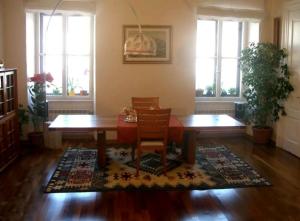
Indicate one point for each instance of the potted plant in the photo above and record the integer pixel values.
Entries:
(232, 92)
(71, 87)
(23, 118)
(267, 86)
(56, 91)
(224, 93)
(38, 106)
(210, 91)
(199, 92)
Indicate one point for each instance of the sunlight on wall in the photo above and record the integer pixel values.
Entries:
(1, 31)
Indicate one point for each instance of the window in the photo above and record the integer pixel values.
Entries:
(64, 47)
(219, 45)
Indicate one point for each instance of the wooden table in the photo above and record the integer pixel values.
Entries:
(206, 123)
(192, 125)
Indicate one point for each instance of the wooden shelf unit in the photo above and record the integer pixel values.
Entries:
(9, 132)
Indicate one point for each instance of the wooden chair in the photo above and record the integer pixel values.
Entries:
(145, 102)
(152, 131)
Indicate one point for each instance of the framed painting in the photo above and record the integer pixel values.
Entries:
(161, 34)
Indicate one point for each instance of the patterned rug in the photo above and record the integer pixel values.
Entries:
(151, 163)
(215, 167)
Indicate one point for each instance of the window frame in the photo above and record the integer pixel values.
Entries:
(38, 55)
(244, 38)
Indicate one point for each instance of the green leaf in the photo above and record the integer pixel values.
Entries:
(266, 78)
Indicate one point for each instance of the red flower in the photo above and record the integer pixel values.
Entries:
(41, 78)
(49, 77)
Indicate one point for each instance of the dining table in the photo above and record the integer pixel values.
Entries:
(191, 126)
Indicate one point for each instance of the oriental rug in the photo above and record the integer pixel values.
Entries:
(215, 167)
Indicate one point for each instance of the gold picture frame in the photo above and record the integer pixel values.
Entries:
(162, 35)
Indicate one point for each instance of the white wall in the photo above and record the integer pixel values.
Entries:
(1, 30)
(116, 82)
(233, 4)
(14, 43)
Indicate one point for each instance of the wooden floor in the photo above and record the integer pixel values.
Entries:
(21, 196)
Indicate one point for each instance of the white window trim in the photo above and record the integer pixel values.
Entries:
(64, 96)
(244, 44)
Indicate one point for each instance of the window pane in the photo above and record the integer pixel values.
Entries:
(78, 75)
(229, 77)
(230, 39)
(206, 38)
(78, 35)
(205, 77)
(52, 38)
(253, 32)
(53, 64)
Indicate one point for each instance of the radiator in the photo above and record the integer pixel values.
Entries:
(53, 113)
(206, 107)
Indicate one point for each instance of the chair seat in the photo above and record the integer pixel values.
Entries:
(152, 143)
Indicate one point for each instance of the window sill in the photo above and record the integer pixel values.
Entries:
(218, 100)
(69, 98)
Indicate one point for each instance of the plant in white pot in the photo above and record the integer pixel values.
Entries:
(266, 79)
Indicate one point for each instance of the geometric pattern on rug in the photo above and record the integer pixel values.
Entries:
(151, 163)
(215, 167)
(76, 171)
(220, 161)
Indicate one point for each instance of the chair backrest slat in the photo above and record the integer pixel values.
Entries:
(153, 124)
(145, 102)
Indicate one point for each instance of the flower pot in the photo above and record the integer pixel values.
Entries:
(262, 135)
(36, 139)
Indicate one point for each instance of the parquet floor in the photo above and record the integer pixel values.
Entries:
(21, 197)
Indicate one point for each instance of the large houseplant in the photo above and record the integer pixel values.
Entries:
(23, 118)
(267, 86)
(38, 105)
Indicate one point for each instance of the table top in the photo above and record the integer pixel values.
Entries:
(83, 122)
(209, 121)
(95, 122)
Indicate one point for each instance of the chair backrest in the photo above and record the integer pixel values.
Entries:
(145, 102)
(153, 124)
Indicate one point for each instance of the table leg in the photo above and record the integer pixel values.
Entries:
(189, 146)
(101, 148)
(133, 148)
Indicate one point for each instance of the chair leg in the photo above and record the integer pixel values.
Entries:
(133, 148)
(138, 159)
(164, 161)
